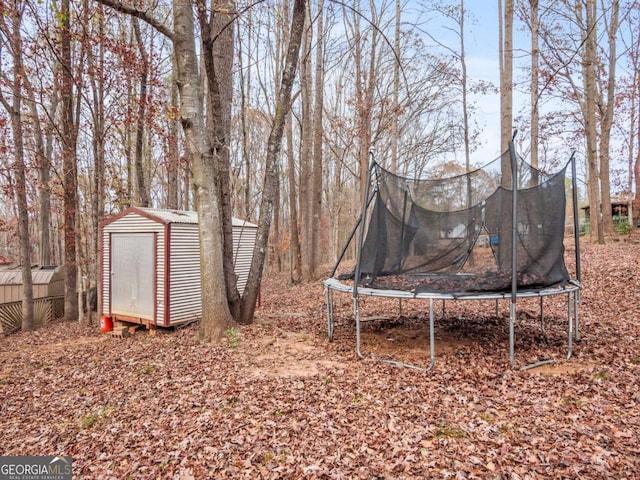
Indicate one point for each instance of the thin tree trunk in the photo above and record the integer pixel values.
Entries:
(245, 88)
(294, 233)
(173, 157)
(465, 105)
(506, 88)
(15, 111)
(306, 160)
(535, 84)
(142, 195)
(589, 76)
(636, 164)
(271, 167)
(395, 119)
(274, 261)
(43, 164)
(318, 137)
(128, 151)
(606, 121)
(97, 207)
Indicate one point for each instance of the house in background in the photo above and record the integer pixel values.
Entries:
(619, 213)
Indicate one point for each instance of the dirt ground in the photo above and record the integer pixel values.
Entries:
(277, 399)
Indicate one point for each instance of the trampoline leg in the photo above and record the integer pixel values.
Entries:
(496, 307)
(512, 331)
(432, 341)
(399, 307)
(576, 299)
(330, 325)
(356, 312)
(542, 317)
(570, 313)
(444, 306)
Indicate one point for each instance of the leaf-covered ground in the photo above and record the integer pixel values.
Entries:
(278, 400)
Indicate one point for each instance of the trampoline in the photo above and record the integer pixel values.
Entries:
(465, 237)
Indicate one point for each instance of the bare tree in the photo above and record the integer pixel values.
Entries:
(535, 81)
(306, 148)
(13, 37)
(396, 89)
(606, 111)
(173, 151)
(589, 80)
(318, 138)
(506, 85)
(69, 163)
(271, 168)
(218, 44)
(141, 193)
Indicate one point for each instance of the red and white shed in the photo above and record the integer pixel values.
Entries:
(151, 265)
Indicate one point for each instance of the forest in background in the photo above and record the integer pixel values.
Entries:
(93, 116)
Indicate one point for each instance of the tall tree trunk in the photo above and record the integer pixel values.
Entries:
(43, 146)
(294, 199)
(69, 166)
(15, 111)
(271, 168)
(294, 233)
(245, 89)
(465, 104)
(395, 119)
(173, 157)
(589, 75)
(636, 163)
(142, 195)
(274, 261)
(96, 72)
(365, 88)
(218, 59)
(222, 29)
(506, 87)
(306, 160)
(318, 137)
(127, 201)
(606, 120)
(216, 317)
(535, 84)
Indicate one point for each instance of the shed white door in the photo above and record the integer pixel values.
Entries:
(133, 274)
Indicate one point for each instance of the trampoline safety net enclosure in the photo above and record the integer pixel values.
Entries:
(462, 237)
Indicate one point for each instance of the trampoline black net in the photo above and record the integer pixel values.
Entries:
(455, 235)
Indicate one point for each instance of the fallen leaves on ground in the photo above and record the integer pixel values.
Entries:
(281, 401)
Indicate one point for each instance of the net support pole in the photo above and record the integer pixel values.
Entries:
(576, 236)
(514, 244)
(356, 280)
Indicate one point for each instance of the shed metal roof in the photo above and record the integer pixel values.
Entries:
(171, 216)
(176, 216)
(39, 275)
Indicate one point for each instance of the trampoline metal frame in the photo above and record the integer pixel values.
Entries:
(571, 289)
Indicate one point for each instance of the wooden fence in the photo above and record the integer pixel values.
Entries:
(44, 310)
